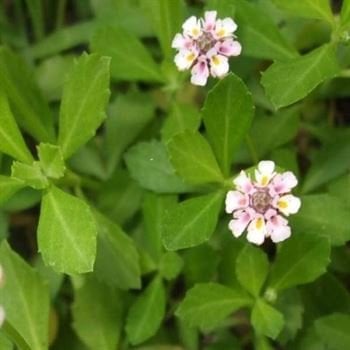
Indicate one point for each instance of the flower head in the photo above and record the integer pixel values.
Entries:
(205, 45)
(261, 206)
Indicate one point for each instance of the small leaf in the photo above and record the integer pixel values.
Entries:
(170, 265)
(31, 175)
(146, 314)
(323, 215)
(11, 140)
(102, 331)
(25, 298)
(345, 14)
(334, 331)
(227, 114)
(66, 233)
(85, 96)
(310, 257)
(130, 59)
(191, 222)
(8, 187)
(252, 267)
(193, 159)
(266, 320)
(51, 160)
(289, 82)
(207, 304)
(149, 165)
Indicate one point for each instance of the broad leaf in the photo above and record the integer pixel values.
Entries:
(66, 233)
(8, 187)
(130, 59)
(97, 313)
(146, 314)
(191, 222)
(85, 96)
(345, 14)
(31, 175)
(193, 159)
(252, 267)
(324, 215)
(25, 298)
(117, 260)
(207, 304)
(51, 160)
(170, 265)
(334, 331)
(310, 257)
(227, 115)
(289, 82)
(266, 320)
(149, 165)
(11, 140)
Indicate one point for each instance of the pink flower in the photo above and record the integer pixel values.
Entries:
(205, 45)
(261, 206)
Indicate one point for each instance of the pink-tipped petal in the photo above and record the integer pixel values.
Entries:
(200, 73)
(239, 223)
(209, 20)
(235, 200)
(243, 183)
(229, 47)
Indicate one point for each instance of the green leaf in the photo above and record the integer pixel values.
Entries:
(66, 233)
(332, 161)
(102, 331)
(207, 304)
(266, 320)
(252, 267)
(318, 9)
(131, 61)
(260, 36)
(334, 331)
(191, 222)
(51, 160)
(11, 140)
(36, 12)
(117, 260)
(166, 17)
(29, 108)
(170, 265)
(323, 215)
(149, 165)
(25, 298)
(310, 257)
(31, 175)
(8, 187)
(85, 96)
(227, 114)
(193, 159)
(182, 117)
(289, 82)
(146, 314)
(345, 14)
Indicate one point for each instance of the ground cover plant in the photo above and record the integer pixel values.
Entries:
(174, 174)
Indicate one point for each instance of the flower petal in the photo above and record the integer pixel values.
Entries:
(265, 172)
(200, 73)
(288, 204)
(235, 200)
(224, 28)
(219, 66)
(243, 182)
(192, 27)
(283, 183)
(229, 47)
(209, 20)
(257, 230)
(240, 222)
(185, 58)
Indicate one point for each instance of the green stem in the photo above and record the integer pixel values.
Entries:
(252, 149)
(15, 336)
(72, 179)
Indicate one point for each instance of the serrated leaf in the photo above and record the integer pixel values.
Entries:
(227, 114)
(85, 96)
(193, 159)
(191, 222)
(252, 267)
(102, 331)
(310, 258)
(30, 175)
(117, 260)
(147, 313)
(323, 215)
(260, 36)
(51, 160)
(207, 304)
(25, 298)
(288, 82)
(334, 331)
(8, 187)
(130, 59)
(266, 320)
(30, 109)
(66, 233)
(149, 165)
(11, 140)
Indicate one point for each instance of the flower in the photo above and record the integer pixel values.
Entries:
(205, 45)
(262, 206)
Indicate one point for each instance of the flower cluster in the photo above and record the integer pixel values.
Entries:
(2, 311)
(205, 45)
(262, 205)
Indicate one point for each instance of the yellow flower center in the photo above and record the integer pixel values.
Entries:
(282, 204)
(216, 60)
(190, 57)
(195, 31)
(259, 223)
(264, 180)
(220, 33)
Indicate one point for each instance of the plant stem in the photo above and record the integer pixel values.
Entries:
(252, 149)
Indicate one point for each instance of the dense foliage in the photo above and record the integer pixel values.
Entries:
(114, 172)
